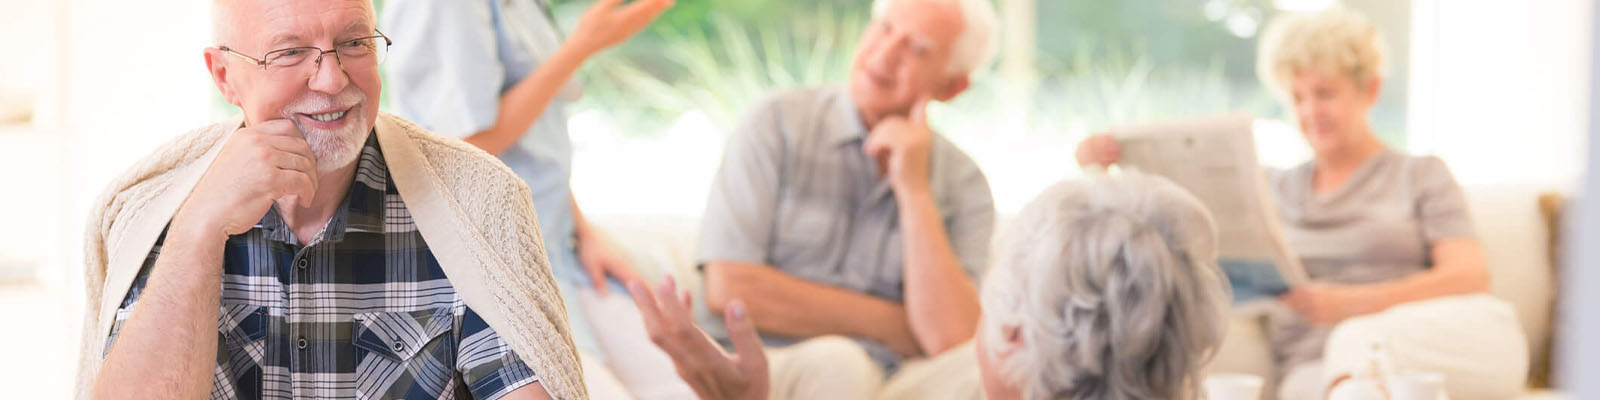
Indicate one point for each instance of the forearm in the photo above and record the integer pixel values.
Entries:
(784, 305)
(534, 391)
(167, 348)
(1460, 269)
(1422, 286)
(941, 300)
(525, 103)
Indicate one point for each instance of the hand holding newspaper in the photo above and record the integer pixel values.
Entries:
(1215, 159)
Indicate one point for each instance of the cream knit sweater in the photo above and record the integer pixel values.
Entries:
(475, 214)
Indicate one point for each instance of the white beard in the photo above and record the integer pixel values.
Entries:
(338, 148)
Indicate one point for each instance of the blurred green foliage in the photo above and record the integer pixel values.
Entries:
(1098, 63)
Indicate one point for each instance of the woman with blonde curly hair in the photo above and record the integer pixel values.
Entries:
(1385, 236)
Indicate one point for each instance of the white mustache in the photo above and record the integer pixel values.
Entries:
(316, 102)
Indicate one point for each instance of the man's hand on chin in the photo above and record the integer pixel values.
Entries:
(901, 146)
(257, 166)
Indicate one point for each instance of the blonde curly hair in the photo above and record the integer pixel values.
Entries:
(1334, 41)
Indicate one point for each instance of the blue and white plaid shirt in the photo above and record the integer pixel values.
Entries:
(364, 311)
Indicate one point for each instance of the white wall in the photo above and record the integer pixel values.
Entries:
(1499, 88)
(1500, 91)
(117, 79)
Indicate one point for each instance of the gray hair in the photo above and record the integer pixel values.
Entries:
(975, 48)
(222, 24)
(1112, 286)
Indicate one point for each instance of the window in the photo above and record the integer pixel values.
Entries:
(655, 110)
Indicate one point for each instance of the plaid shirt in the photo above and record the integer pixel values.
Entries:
(364, 311)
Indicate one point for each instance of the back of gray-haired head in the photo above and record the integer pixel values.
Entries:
(1112, 286)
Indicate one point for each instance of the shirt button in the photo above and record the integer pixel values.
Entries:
(301, 343)
(302, 263)
(399, 346)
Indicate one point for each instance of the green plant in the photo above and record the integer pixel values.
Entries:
(721, 67)
(723, 63)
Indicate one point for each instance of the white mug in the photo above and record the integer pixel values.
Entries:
(1233, 387)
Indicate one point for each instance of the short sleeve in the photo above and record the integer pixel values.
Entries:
(444, 68)
(737, 224)
(487, 365)
(971, 222)
(1441, 203)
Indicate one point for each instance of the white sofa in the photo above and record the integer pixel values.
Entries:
(1516, 241)
(1508, 219)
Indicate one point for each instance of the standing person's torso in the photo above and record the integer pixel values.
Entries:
(450, 68)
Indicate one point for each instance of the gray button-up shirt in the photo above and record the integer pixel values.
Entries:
(796, 192)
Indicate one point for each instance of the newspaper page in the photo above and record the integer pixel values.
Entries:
(1215, 159)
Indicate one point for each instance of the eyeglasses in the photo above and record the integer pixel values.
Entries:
(354, 55)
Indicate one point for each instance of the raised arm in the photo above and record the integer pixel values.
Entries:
(941, 299)
(448, 71)
(168, 347)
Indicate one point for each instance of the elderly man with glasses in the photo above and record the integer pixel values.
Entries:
(315, 248)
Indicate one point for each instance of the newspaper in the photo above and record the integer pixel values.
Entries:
(1215, 159)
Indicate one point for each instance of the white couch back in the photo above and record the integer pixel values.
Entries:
(1515, 240)
(1507, 217)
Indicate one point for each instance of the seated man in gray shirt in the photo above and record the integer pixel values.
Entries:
(852, 231)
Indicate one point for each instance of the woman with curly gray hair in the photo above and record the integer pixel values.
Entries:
(1106, 288)
(1103, 289)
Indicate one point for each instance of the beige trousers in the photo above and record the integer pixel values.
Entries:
(1474, 340)
(835, 367)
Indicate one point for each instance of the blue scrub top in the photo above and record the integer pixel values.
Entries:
(450, 63)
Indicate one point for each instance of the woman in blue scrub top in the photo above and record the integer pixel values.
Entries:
(495, 73)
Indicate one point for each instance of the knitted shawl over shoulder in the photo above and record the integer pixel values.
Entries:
(475, 214)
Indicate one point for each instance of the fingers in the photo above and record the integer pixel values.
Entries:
(677, 308)
(291, 154)
(292, 144)
(277, 127)
(1303, 303)
(1099, 150)
(1108, 150)
(645, 301)
(605, 4)
(752, 358)
(294, 162)
(672, 328)
(294, 183)
(646, 10)
(597, 277)
(881, 139)
(919, 110)
(623, 271)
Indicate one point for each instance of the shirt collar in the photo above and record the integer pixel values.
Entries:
(844, 122)
(361, 211)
